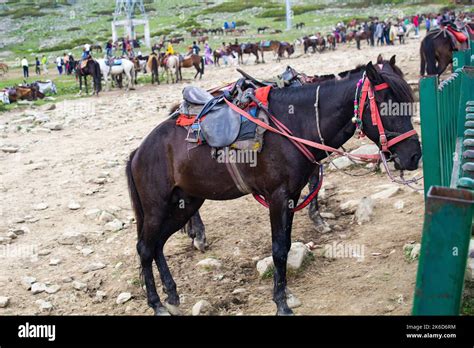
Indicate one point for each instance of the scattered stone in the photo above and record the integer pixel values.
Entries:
(349, 206)
(74, 205)
(9, 149)
(54, 126)
(54, 262)
(92, 214)
(23, 120)
(41, 118)
(27, 282)
(415, 252)
(100, 181)
(340, 163)
(37, 288)
(11, 235)
(114, 226)
(66, 279)
(296, 255)
(106, 217)
(70, 238)
(5, 240)
(79, 285)
(99, 296)
(239, 291)
(44, 252)
(86, 251)
(44, 306)
(326, 215)
(93, 267)
(21, 230)
(123, 297)
(292, 300)
(52, 289)
(264, 265)
(203, 307)
(4, 301)
(48, 107)
(209, 263)
(399, 205)
(387, 193)
(364, 211)
(41, 206)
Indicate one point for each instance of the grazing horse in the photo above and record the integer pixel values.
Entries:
(202, 39)
(92, 68)
(152, 65)
(192, 60)
(163, 172)
(285, 47)
(3, 68)
(300, 25)
(126, 67)
(436, 51)
(261, 30)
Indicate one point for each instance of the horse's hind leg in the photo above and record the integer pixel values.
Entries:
(320, 225)
(183, 209)
(196, 231)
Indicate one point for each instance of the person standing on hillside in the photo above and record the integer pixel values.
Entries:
(37, 66)
(44, 62)
(24, 64)
(416, 23)
(59, 64)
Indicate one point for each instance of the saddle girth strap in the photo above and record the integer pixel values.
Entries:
(235, 173)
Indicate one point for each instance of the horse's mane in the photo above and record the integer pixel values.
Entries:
(398, 85)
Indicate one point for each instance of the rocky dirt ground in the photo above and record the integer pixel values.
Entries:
(68, 238)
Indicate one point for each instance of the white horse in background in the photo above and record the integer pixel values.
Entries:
(172, 67)
(126, 67)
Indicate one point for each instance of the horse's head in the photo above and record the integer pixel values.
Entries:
(394, 102)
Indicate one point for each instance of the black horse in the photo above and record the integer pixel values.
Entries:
(92, 68)
(168, 182)
(436, 52)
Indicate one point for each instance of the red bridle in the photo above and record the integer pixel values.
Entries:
(368, 91)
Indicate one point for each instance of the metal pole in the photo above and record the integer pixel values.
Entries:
(288, 15)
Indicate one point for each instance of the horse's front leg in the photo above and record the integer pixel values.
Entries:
(281, 218)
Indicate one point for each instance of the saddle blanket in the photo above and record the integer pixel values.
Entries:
(115, 62)
(265, 43)
(460, 37)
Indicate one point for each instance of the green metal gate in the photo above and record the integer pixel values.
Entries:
(447, 127)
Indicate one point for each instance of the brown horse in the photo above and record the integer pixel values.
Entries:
(219, 53)
(285, 47)
(269, 46)
(169, 182)
(436, 51)
(331, 40)
(3, 68)
(192, 60)
(152, 65)
(248, 48)
(29, 93)
(202, 39)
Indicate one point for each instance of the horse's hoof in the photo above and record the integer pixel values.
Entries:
(172, 309)
(162, 311)
(284, 312)
(199, 245)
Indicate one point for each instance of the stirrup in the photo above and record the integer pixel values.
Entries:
(194, 132)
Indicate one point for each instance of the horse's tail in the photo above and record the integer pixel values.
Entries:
(202, 66)
(135, 198)
(98, 76)
(428, 56)
(154, 66)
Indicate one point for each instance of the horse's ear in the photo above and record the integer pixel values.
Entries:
(380, 59)
(372, 73)
(392, 60)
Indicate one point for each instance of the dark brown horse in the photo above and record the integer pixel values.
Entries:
(436, 52)
(168, 182)
(285, 47)
(269, 46)
(91, 68)
(219, 53)
(152, 65)
(248, 48)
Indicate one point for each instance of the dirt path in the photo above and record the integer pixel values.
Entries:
(84, 163)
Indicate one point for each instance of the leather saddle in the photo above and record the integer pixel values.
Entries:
(221, 125)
